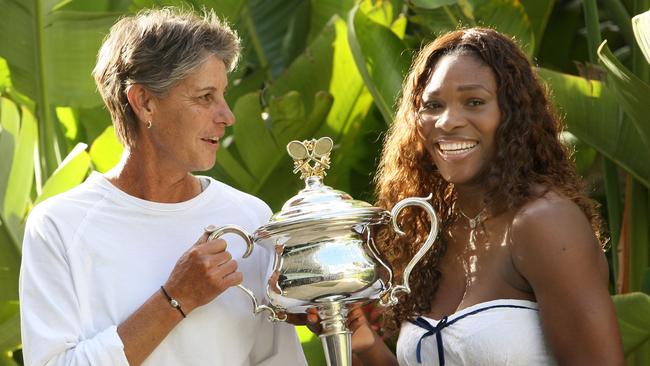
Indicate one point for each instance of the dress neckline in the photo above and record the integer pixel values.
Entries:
(484, 304)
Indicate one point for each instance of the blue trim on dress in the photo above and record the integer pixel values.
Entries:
(442, 324)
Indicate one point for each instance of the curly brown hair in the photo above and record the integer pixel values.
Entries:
(528, 154)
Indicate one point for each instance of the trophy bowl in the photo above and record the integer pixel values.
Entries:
(325, 256)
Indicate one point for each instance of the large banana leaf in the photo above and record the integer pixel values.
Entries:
(105, 151)
(633, 312)
(70, 173)
(331, 103)
(266, 26)
(9, 326)
(539, 12)
(51, 53)
(263, 150)
(19, 185)
(631, 92)
(380, 57)
(322, 12)
(591, 113)
(641, 27)
(5, 78)
(507, 16)
(17, 143)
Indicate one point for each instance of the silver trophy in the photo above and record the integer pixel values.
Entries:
(325, 256)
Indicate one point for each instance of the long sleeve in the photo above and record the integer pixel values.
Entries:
(50, 316)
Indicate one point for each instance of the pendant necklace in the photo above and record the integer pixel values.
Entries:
(476, 220)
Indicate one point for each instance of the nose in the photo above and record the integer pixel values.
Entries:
(225, 115)
(450, 119)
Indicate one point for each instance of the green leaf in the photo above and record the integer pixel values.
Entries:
(19, 185)
(506, 16)
(106, 150)
(92, 122)
(9, 264)
(295, 39)
(380, 58)
(9, 130)
(633, 312)
(632, 93)
(311, 346)
(7, 360)
(70, 173)
(638, 235)
(432, 4)
(262, 149)
(323, 11)
(438, 20)
(5, 78)
(539, 12)
(584, 155)
(229, 169)
(267, 28)
(52, 64)
(641, 27)
(9, 325)
(591, 113)
(50, 55)
(9, 244)
(333, 103)
(68, 118)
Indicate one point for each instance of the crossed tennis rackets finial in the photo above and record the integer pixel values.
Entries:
(305, 152)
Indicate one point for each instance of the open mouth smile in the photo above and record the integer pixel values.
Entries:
(212, 140)
(456, 148)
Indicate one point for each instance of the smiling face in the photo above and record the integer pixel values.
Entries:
(458, 118)
(189, 121)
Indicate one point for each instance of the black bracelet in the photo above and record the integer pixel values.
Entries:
(173, 302)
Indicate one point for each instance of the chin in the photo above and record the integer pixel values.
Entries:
(203, 166)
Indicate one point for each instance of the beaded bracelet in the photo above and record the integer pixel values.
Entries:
(173, 302)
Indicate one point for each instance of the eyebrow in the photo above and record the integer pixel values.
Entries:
(461, 88)
(207, 88)
(472, 87)
(211, 89)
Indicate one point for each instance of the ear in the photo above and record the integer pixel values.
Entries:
(142, 102)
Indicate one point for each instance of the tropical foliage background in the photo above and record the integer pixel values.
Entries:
(330, 68)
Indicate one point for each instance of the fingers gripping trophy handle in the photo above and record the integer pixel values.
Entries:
(433, 233)
(233, 229)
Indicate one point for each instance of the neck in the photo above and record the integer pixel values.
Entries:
(140, 177)
(470, 200)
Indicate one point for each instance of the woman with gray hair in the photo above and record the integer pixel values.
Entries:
(113, 273)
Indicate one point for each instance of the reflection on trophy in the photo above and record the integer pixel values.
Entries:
(325, 256)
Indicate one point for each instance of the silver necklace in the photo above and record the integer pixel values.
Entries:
(476, 220)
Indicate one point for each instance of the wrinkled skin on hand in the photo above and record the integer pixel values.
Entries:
(202, 273)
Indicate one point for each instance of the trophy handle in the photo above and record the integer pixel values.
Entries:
(433, 233)
(233, 229)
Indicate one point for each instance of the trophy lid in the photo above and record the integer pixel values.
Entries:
(318, 204)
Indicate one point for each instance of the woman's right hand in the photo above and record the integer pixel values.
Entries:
(364, 337)
(202, 273)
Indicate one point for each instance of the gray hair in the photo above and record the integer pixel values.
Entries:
(157, 49)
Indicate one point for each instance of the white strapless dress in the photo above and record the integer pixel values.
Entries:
(498, 332)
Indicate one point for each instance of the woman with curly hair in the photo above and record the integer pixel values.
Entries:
(517, 275)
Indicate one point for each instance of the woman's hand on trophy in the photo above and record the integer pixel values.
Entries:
(310, 319)
(364, 335)
(202, 273)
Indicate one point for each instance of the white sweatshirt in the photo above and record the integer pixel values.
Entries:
(93, 255)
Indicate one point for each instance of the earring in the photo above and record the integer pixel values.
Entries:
(148, 124)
